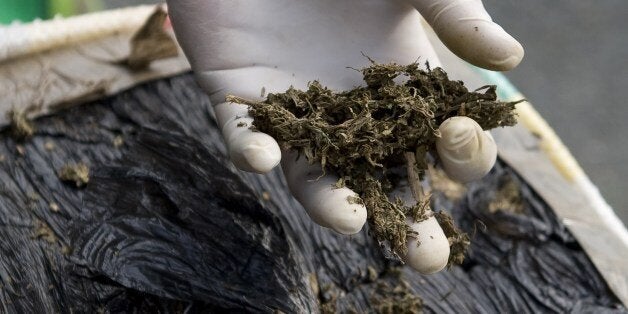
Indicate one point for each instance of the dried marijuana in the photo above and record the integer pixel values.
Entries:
(75, 173)
(363, 134)
(397, 300)
(22, 127)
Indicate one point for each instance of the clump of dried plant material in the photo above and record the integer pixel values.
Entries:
(54, 207)
(118, 141)
(397, 300)
(507, 198)
(21, 126)
(43, 231)
(364, 133)
(328, 297)
(49, 146)
(75, 173)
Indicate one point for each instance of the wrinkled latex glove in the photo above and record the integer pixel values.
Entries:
(252, 47)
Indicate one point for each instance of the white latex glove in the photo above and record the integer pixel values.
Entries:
(252, 47)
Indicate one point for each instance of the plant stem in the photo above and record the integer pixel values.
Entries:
(413, 177)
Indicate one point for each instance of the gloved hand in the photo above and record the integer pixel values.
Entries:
(251, 47)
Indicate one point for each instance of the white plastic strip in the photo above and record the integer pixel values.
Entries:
(22, 39)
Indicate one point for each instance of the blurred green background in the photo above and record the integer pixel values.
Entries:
(28, 10)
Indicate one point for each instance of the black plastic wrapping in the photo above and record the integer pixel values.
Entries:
(167, 225)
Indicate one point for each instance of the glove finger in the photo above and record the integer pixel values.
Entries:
(466, 151)
(428, 249)
(466, 29)
(327, 205)
(249, 150)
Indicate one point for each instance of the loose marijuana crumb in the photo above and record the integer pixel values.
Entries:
(363, 133)
(33, 196)
(397, 300)
(314, 283)
(49, 146)
(328, 296)
(266, 196)
(118, 141)
(32, 200)
(43, 231)
(54, 207)
(507, 199)
(78, 173)
(22, 127)
(20, 150)
(372, 274)
(66, 250)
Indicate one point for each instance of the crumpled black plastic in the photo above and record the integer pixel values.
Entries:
(167, 225)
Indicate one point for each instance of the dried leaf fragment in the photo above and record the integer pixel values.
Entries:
(76, 173)
(151, 42)
(21, 126)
